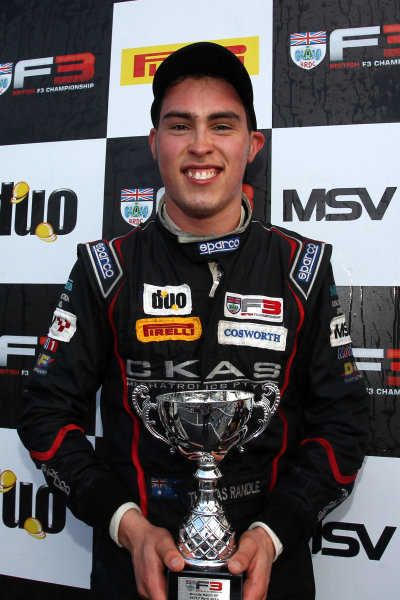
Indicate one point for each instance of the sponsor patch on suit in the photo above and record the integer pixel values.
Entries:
(168, 328)
(272, 337)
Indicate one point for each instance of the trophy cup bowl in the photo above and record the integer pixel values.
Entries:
(203, 426)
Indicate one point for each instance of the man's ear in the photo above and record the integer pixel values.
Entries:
(152, 141)
(257, 140)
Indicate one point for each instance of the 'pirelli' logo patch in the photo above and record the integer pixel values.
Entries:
(168, 328)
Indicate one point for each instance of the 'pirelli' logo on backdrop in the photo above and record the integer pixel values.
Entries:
(138, 65)
(168, 328)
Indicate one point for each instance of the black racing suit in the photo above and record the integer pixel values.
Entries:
(235, 312)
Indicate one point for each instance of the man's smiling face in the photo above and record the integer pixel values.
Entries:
(202, 145)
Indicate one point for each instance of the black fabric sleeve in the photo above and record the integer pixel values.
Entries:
(57, 398)
(334, 437)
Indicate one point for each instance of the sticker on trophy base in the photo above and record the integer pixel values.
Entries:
(206, 585)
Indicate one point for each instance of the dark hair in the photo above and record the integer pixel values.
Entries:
(203, 59)
(156, 109)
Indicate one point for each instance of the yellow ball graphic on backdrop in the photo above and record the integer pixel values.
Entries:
(20, 192)
(45, 232)
(34, 528)
(7, 480)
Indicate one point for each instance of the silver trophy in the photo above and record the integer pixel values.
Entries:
(203, 426)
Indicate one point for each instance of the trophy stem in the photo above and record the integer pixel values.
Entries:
(206, 538)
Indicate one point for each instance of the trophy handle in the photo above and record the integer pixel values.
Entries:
(141, 391)
(264, 403)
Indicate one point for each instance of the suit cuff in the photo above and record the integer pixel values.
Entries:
(274, 538)
(116, 518)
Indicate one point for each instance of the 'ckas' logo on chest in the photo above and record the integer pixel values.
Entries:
(167, 300)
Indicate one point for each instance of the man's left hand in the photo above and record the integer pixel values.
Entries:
(254, 556)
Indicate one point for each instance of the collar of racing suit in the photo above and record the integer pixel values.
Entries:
(210, 247)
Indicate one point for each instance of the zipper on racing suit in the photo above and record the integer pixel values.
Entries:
(216, 272)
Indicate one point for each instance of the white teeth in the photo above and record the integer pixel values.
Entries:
(201, 174)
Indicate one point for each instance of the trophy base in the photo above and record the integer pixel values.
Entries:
(202, 584)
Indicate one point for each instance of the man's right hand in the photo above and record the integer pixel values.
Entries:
(152, 549)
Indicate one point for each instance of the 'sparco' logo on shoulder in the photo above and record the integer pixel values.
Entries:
(105, 265)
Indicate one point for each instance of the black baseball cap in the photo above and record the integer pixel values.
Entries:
(204, 58)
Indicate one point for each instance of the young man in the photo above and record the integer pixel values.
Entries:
(121, 328)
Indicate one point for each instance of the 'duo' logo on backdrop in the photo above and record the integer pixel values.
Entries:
(36, 515)
(34, 215)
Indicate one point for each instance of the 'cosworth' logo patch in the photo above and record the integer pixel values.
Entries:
(168, 328)
(250, 334)
(261, 308)
(167, 300)
(216, 246)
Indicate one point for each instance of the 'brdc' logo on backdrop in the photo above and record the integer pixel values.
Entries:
(66, 72)
(136, 205)
(347, 47)
(5, 76)
(308, 49)
(33, 215)
(139, 65)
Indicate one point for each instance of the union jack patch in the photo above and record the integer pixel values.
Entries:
(136, 194)
(313, 37)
